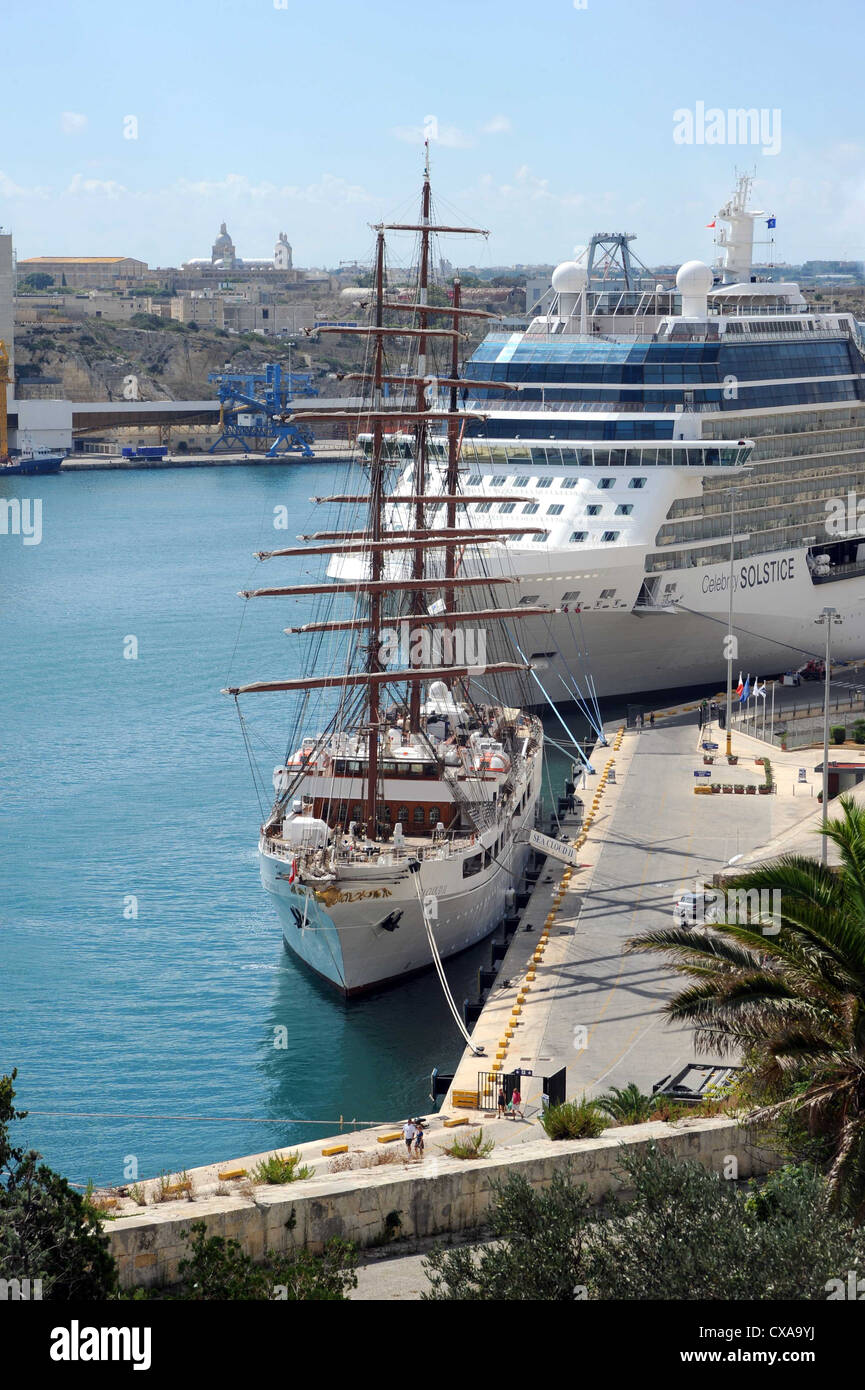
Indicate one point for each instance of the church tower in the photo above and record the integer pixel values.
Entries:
(223, 249)
(282, 254)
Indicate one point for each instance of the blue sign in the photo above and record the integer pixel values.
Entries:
(523, 1071)
(710, 746)
(700, 773)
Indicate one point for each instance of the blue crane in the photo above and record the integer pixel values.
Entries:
(254, 408)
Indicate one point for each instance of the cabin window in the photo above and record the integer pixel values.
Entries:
(545, 482)
(556, 509)
(594, 509)
(578, 536)
(625, 509)
(608, 593)
(474, 480)
(569, 482)
(498, 481)
(521, 482)
(484, 506)
(417, 815)
(435, 815)
(571, 593)
(606, 483)
(528, 600)
(530, 508)
(610, 536)
(507, 506)
(402, 814)
(473, 865)
(637, 482)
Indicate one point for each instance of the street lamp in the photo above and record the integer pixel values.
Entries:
(828, 616)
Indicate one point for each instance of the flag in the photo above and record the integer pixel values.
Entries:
(739, 687)
(746, 690)
(770, 221)
(710, 224)
(760, 689)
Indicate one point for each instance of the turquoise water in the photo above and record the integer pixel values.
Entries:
(128, 778)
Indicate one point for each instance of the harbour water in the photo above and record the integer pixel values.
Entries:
(126, 788)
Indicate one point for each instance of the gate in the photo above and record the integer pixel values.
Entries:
(554, 1087)
(488, 1088)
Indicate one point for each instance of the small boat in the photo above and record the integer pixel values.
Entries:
(32, 464)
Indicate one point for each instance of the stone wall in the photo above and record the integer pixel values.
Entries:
(443, 1196)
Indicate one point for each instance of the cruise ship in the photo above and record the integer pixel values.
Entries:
(670, 446)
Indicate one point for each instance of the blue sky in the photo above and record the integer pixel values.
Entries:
(553, 122)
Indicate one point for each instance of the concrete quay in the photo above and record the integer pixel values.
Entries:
(581, 1003)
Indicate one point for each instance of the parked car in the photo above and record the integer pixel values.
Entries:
(695, 910)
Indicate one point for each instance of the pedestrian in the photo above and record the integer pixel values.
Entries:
(516, 1102)
(503, 1100)
(570, 791)
(409, 1131)
(418, 1143)
(652, 719)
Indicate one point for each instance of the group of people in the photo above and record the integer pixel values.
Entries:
(413, 1134)
(514, 1106)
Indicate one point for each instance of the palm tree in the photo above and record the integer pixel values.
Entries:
(791, 997)
(627, 1104)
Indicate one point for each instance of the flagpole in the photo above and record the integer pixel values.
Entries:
(772, 717)
(730, 629)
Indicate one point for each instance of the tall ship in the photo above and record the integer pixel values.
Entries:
(669, 445)
(402, 813)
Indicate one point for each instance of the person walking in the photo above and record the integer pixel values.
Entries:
(418, 1143)
(652, 719)
(515, 1107)
(503, 1100)
(409, 1131)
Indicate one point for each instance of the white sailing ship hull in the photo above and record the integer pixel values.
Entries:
(367, 930)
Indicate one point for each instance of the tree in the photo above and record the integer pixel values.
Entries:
(685, 1233)
(38, 280)
(538, 1250)
(790, 995)
(218, 1269)
(47, 1231)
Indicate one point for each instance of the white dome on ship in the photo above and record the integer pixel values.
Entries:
(694, 277)
(569, 278)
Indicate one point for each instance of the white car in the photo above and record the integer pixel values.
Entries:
(695, 910)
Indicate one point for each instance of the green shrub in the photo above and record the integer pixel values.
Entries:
(839, 733)
(626, 1105)
(576, 1119)
(470, 1146)
(278, 1169)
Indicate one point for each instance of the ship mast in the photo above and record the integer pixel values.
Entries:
(373, 660)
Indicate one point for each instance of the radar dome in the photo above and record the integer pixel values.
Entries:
(694, 277)
(569, 278)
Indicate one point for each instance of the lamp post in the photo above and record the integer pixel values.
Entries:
(828, 616)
